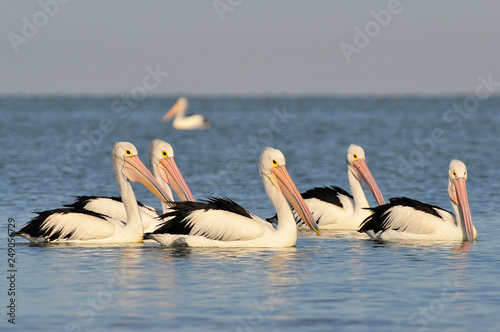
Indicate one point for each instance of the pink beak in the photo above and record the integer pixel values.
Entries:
(171, 174)
(463, 203)
(293, 196)
(136, 171)
(363, 174)
(180, 105)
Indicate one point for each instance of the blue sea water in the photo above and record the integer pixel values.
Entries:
(55, 147)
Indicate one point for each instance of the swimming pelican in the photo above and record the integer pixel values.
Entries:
(165, 171)
(83, 226)
(220, 222)
(195, 121)
(408, 219)
(333, 207)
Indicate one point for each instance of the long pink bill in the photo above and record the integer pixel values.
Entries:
(292, 194)
(364, 174)
(179, 106)
(171, 174)
(463, 203)
(136, 171)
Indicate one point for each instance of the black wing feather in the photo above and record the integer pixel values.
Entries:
(34, 227)
(417, 205)
(378, 220)
(327, 194)
(81, 201)
(178, 224)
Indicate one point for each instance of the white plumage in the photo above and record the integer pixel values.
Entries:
(113, 207)
(207, 224)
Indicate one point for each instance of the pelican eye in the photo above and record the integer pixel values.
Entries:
(164, 154)
(355, 156)
(454, 174)
(128, 152)
(275, 163)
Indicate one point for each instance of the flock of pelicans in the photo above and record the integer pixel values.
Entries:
(220, 222)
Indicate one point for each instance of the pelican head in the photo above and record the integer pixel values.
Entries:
(161, 157)
(128, 165)
(179, 107)
(356, 164)
(272, 167)
(457, 176)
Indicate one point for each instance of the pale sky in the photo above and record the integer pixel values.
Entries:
(248, 47)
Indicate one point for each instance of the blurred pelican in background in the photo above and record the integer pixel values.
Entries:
(182, 122)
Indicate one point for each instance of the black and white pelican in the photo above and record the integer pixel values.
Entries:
(408, 219)
(333, 207)
(195, 121)
(220, 222)
(83, 226)
(165, 171)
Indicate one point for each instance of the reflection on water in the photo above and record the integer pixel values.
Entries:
(465, 246)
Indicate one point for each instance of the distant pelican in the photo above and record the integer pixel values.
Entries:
(333, 207)
(220, 222)
(407, 219)
(82, 226)
(195, 121)
(165, 171)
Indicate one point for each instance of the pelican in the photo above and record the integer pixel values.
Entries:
(195, 121)
(408, 219)
(333, 207)
(83, 226)
(165, 171)
(220, 222)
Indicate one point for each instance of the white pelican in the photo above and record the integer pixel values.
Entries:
(165, 171)
(407, 219)
(333, 207)
(195, 121)
(83, 226)
(220, 222)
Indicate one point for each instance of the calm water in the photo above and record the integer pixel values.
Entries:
(53, 148)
